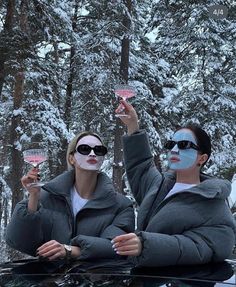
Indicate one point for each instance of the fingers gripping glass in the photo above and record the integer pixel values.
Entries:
(180, 144)
(35, 157)
(85, 149)
(125, 92)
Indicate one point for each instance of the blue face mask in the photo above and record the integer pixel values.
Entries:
(184, 158)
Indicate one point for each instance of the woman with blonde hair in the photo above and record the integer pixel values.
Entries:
(76, 214)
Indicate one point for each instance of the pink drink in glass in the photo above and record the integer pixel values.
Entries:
(125, 92)
(34, 159)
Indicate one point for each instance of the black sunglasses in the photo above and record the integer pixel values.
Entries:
(85, 149)
(181, 145)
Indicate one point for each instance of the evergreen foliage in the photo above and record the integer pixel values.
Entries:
(67, 55)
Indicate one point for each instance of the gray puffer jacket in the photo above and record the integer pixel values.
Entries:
(191, 227)
(105, 216)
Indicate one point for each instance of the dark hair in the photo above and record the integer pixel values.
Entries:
(202, 138)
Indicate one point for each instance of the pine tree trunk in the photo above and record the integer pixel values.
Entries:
(69, 92)
(4, 161)
(16, 157)
(7, 28)
(118, 169)
(16, 161)
(69, 88)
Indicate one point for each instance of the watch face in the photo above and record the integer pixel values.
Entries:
(68, 247)
(68, 250)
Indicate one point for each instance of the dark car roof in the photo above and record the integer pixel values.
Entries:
(113, 273)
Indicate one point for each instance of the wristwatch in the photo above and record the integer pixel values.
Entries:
(68, 250)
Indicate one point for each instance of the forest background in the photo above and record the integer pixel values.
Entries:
(60, 60)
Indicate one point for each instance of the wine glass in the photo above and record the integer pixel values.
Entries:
(125, 92)
(35, 156)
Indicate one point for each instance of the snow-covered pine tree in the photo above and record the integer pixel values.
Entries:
(201, 51)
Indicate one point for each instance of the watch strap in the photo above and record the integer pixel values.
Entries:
(68, 250)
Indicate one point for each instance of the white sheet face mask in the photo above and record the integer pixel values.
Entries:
(90, 161)
(187, 157)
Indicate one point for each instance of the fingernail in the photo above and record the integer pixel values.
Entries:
(113, 246)
(112, 241)
(117, 252)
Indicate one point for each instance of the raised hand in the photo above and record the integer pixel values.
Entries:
(131, 121)
(34, 191)
(31, 177)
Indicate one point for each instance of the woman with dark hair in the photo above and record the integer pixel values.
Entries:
(182, 216)
(76, 214)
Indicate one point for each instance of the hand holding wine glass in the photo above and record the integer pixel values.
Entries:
(30, 181)
(131, 119)
(125, 92)
(31, 178)
(35, 157)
